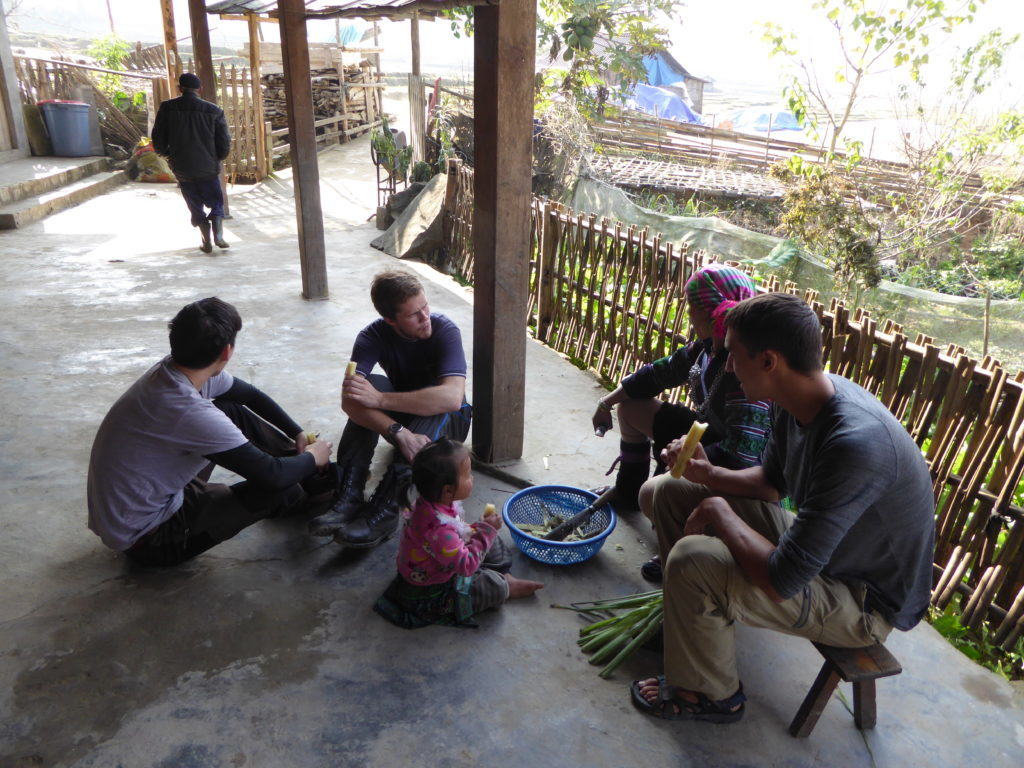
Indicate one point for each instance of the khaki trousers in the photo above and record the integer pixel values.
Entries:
(706, 593)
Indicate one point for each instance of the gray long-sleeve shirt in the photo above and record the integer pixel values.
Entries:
(866, 513)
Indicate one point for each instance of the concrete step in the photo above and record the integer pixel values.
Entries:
(31, 176)
(34, 208)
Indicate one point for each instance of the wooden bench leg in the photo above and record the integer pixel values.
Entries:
(815, 701)
(864, 704)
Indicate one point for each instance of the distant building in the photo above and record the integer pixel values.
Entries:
(663, 70)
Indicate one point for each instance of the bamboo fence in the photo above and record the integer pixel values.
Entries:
(610, 297)
(237, 95)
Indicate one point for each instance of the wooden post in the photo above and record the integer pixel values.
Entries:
(257, 95)
(202, 57)
(302, 136)
(170, 44)
(546, 271)
(504, 50)
(988, 316)
(267, 129)
(416, 106)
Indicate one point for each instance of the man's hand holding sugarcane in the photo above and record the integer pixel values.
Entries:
(750, 482)
(697, 470)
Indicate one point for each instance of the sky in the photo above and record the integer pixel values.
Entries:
(717, 39)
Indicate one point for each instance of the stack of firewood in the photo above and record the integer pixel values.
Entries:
(329, 98)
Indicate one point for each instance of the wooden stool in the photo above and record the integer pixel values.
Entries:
(860, 666)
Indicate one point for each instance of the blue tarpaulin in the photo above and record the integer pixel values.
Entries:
(661, 72)
(760, 119)
(661, 102)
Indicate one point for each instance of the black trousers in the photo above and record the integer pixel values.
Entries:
(202, 194)
(357, 443)
(214, 512)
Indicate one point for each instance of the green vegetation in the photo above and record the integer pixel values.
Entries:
(953, 225)
(109, 52)
(394, 159)
(976, 645)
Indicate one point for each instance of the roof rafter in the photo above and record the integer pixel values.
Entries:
(339, 9)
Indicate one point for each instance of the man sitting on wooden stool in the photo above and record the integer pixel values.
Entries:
(852, 563)
(421, 397)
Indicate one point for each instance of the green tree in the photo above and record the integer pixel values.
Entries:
(874, 38)
(964, 165)
(110, 52)
(825, 215)
(599, 44)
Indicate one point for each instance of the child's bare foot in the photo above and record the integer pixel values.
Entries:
(521, 587)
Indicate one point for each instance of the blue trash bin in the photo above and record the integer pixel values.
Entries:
(67, 122)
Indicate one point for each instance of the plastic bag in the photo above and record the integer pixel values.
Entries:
(147, 165)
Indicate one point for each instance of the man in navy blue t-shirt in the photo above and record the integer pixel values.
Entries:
(420, 397)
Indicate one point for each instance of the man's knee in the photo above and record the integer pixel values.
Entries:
(231, 409)
(698, 561)
(670, 493)
(646, 498)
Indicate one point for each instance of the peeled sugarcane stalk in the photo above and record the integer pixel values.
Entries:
(488, 510)
(689, 448)
(350, 371)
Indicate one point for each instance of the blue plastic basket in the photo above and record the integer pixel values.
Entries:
(529, 505)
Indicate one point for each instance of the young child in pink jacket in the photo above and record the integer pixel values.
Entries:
(448, 570)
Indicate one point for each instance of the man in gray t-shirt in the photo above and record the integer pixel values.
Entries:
(854, 561)
(153, 454)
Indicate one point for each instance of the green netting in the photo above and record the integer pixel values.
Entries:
(947, 319)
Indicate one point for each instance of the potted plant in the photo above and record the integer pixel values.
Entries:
(384, 146)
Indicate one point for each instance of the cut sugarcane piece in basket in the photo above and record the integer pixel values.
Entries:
(689, 447)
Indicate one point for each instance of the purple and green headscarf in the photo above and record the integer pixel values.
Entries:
(716, 289)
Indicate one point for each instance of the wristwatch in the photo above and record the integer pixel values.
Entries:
(393, 429)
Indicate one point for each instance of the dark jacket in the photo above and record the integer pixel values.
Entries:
(193, 135)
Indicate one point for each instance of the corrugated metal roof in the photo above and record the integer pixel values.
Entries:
(330, 9)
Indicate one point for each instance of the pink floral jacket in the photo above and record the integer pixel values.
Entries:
(438, 544)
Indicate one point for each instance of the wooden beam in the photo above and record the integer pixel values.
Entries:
(202, 57)
(302, 137)
(416, 103)
(504, 50)
(257, 95)
(170, 43)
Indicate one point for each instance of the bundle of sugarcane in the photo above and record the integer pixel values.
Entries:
(615, 636)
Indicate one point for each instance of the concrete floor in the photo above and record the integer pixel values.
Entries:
(265, 651)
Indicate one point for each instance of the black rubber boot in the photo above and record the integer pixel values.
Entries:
(218, 232)
(204, 230)
(377, 519)
(350, 498)
(634, 468)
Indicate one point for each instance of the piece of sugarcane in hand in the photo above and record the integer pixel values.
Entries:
(689, 448)
(350, 370)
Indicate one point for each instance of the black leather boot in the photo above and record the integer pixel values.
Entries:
(377, 519)
(218, 232)
(204, 229)
(350, 498)
(634, 468)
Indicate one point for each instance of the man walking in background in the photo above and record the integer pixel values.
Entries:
(193, 135)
